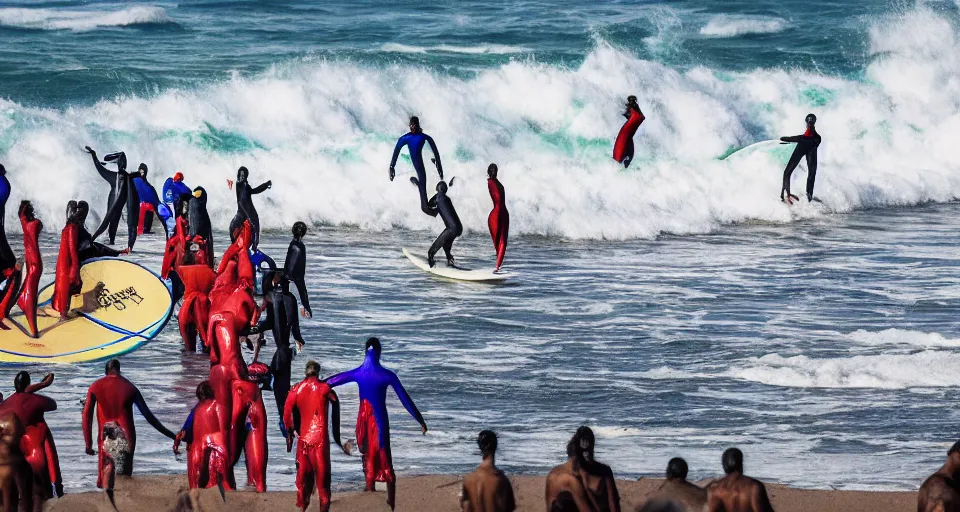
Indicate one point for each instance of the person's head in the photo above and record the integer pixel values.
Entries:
(953, 454)
(677, 469)
(442, 187)
(374, 345)
(242, 174)
(200, 193)
(204, 390)
(732, 461)
(811, 119)
(299, 230)
(142, 169)
(26, 210)
(312, 369)
(632, 103)
(71, 210)
(21, 381)
(492, 171)
(414, 124)
(487, 441)
(587, 441)
(83, 209)
(112, 367)
(178, 177)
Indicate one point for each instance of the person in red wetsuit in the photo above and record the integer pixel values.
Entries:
(499, 218)
(207, 461)
(373, 422)
(114, 397)
(34, 263)
(312, 398)
(623, 149)
(37, 442)
(175, 251)
(194, 313)
(67, 282)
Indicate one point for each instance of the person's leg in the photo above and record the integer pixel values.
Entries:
(811, 172)
(787, 172)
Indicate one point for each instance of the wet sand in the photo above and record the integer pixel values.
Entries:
(436, 493)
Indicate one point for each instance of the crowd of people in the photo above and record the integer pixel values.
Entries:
(220, 314)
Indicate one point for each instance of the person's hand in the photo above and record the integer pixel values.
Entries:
(269, 183)
(290, 441)
(306, 314)
(176, 443)
(393, 173)
(299, 346)
(47, 380)
(423, 428)
(230, 184)
(349, 446)
(126, 251)
(89, 150)
(90, 451)
(451, 180)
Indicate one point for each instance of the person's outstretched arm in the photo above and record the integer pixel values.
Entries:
(46, 382)
(105, 173)
(436, 155)
(151, 419)
(342, 378)
(263, 187)
(87, 423)
(407, 401)
(794, 138)
(402, 141)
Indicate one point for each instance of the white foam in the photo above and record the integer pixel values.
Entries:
(904, 337)
(728, 25)
(930, 368)
(324, 130)
(483, 49)
(56, 19)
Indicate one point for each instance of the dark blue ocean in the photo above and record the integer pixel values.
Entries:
(677, 307)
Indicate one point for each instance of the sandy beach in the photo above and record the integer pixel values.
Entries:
(439, 493)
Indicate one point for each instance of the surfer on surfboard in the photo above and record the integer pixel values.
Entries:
(499, 218)
(441, 204)
(806, 147)
(414, 142)
(623, 148)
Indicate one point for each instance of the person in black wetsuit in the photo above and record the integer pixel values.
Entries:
(245, 209)
(281, 319)
(441, 204)
(117, 185)
(295, 267)
(200, 221)
(806, 147)
(127, 197)
(86, 247)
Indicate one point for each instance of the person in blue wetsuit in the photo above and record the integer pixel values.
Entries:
(149, 204)
(373, 424)
(414, 142)
(175, 193)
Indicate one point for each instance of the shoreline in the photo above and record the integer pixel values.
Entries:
(438, 493)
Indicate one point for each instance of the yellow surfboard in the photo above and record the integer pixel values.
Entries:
(133, 307)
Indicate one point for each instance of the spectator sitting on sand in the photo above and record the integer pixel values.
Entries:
(564, 487)
(676, 489)
(939, 493)
(736, 492)
(487, 489)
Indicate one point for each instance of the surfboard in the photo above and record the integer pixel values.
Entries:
(457, 273)
(768, 148)
(134, 306)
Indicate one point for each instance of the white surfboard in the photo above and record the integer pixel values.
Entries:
(456, 273)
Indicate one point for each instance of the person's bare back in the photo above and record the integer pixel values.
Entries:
(939, 492)
(487, 489)
(736, 492)
(685, 494)
(563, 479)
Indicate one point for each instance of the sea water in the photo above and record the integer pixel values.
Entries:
(678, 307)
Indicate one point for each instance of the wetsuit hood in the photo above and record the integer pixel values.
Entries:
(811, 119)
(119, 157)
(71, 210)
(81, 213)
(299, 230)
(242, 174)
(26, 210)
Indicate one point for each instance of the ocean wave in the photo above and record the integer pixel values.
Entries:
(726, 25)
(323, 130)
(929, 368)
(80, 21)
(904, 337)
(482, 49)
